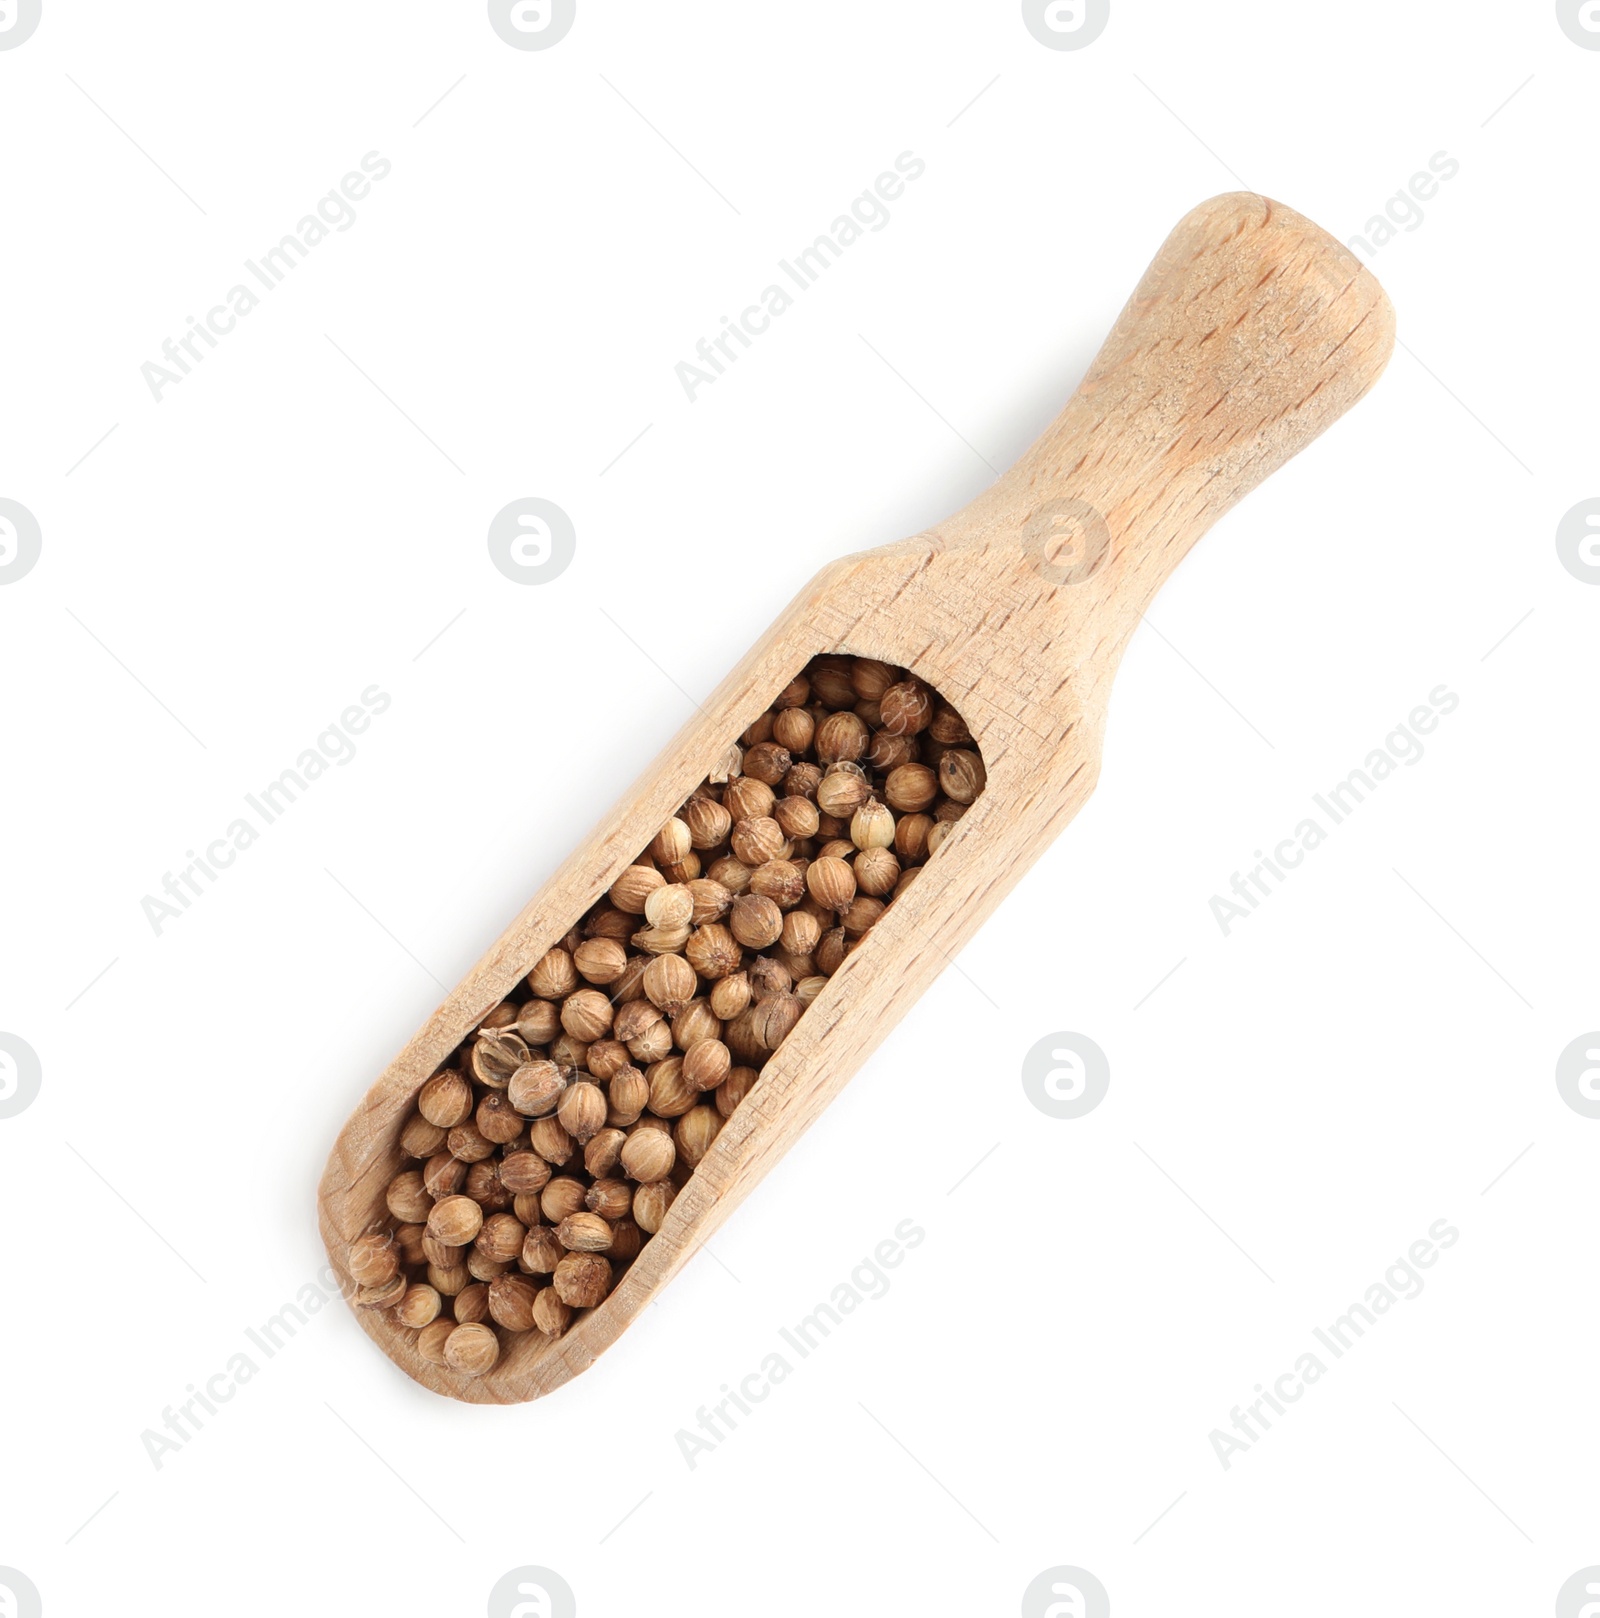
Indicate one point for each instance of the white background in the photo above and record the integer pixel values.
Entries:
(231, 567)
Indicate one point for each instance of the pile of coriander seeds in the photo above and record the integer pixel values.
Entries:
(548, 1153)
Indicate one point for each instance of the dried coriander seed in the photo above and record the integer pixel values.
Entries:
(449, 1280)
(419, 1138)
(669, 983)
(436, 1251)
(626, 1240)
(374, 1259)
(501, 1238)
(445, 1100)
(666, 940)
(872, 825)
(733, 1089)
(455, 1221)
(584, 1233)
(611, 1199)
(671, 843)
(536, 1087)
(419, 1307)
(539, 1024)
(431, 1341)
(911, 788)
(383, 1296)
(484, 1269)
(802, 781)
(869, 678)
(888, 752)
(497, 1120)
(860, 916)
(682, 871)
(802, 931)
(731, 874)
(741, 1040)
(840, 793)
(713, 951)
(781, 881)
(708, 821)
(550, 1314)
(606, 923)
(962, 775)
(551, 1141)
(797, 818)
(484, 1187)
(695, 1133)
(648, 1155)
(602, 1153)
(582, 1111)
(407, 1198)
(796, 694)
(841, 738)
(706, 1064)
(694, 1023)
(468, 1144)
(600, 960)
(586, 1015)
(911, 836)
(711, 901)
(564, 1195)
(877, 870)
(670, 907)
(471, 1303)
(755, 921)
(541, 1251)
(444, 1174)
(767, 762)
(748, 799)
(511, 1301)
(496, 1056)
(472, 1350)
(634, 886)
(792, 730)
(569, 1053)
(832, 680)
(607, 1058)
(524, 1171)
(774, 1019)
(582, 1280)
(905, 708)
(555, 976)
(630, 1095)
(832, 882)
(650, 1204)
(670, 1093)
(758, 840)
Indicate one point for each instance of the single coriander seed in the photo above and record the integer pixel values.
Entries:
(472, 1350)
(648, 1155)
(582, 1280)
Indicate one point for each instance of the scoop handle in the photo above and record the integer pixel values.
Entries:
(1251, 332)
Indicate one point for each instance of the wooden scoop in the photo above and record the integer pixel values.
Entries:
(1251, 332)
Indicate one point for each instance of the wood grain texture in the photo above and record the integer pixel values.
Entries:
(1251, 332)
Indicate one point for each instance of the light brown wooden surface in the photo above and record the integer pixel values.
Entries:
(1250, 333)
